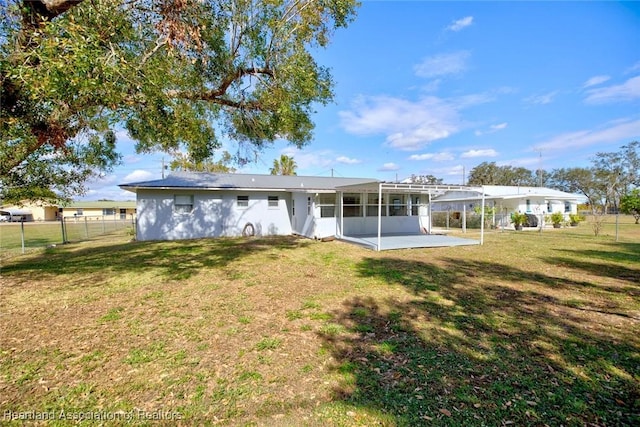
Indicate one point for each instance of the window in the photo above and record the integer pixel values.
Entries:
(273, 201)
(528, 205)
(108, 212)
(327, 204)
(372, 205)
(243, 201)
(415, 205)
(182, 203)
(308, 205)
(79, 212)
(549, 208)
(567, 207)
(397, 206)
(351, 205)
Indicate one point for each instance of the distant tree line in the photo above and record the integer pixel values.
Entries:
(611, 179)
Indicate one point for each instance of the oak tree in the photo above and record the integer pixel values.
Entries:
(175, 74)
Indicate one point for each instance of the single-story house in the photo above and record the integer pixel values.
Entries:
(536, 201)
(188, 205)
(100, 209)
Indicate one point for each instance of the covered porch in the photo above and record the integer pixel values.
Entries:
(384, 216)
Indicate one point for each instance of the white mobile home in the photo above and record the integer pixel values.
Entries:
(191, 205)
(194, 205)
(537, 201)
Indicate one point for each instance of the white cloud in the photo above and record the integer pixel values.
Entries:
(310, 159)
(595, 80)
(626, 91)
(138, 175)
(635, 67)
(543, 99)
(451, 171)
(442, 65)
(432, 86)
(492, 129)
(347, 161)
(408, 125)
(460, 23)
(389, 167)
(615, 132)
(438, 157)
(490, 152)
(131, 159)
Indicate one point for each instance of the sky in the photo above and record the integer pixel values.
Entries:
(436, 88)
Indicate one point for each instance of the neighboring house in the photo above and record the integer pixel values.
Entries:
(30, 212)
(538, 201)
(193, 205)
(100, 209)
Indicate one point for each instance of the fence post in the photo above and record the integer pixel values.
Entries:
(86, 228)
(22, 233)
(64, 238)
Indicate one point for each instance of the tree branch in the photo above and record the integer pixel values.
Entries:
(49, 9)
(215, 95)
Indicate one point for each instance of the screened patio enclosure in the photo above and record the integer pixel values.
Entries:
(377, 214)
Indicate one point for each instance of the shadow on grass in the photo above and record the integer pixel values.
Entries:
(174, 260)
(621, 253)
(467, 350)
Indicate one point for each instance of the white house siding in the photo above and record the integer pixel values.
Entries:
(354, 226)
(214, 214)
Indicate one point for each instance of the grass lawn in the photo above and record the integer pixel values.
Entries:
(529, 329)
(38, 235)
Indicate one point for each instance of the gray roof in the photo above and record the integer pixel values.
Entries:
(231, 181)
(504, 192)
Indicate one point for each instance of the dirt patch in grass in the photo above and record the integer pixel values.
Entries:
(528, 329)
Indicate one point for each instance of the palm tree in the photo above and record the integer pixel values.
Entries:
(285, 165)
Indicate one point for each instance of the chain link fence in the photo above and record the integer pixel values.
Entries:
(616, 227)
(20, 237)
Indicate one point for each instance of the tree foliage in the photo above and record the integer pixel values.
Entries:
(489, 173)
(176, 74)
(285, 165)
(578, 180)
(630, 204)
(182, 162)
(425, 179)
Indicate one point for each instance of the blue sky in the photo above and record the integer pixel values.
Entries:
(426, 87)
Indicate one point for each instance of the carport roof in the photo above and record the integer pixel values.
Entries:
(14, 211)
(507, 192)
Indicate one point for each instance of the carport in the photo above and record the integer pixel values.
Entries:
(383, 216)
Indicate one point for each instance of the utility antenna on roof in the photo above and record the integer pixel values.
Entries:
(540, 167)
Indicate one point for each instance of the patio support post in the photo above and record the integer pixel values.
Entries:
(464, 218)
(429, 224)
(482, 220)
(379, 215)
(341, 213)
